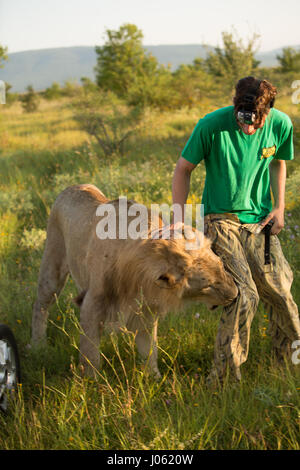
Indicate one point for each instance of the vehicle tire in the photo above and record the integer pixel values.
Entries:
(10, 374)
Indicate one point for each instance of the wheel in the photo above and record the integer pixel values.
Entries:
(9, 365)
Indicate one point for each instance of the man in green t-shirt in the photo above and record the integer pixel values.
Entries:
(244, 148)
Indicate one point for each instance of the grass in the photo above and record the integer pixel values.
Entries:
(55, 408)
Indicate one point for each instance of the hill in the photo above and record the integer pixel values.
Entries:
(40, 68)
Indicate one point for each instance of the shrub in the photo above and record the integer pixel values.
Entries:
(108, 119)
(30, 100)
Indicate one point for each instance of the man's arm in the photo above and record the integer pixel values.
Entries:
(277, 180)
(181, 185)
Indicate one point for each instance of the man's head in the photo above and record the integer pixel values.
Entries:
(252, 102)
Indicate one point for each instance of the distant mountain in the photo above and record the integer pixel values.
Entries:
(40, 68)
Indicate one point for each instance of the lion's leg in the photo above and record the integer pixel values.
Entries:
(91, 329)
(146, 342)
(52, 277)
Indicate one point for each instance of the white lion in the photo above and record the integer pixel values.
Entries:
(121, 281)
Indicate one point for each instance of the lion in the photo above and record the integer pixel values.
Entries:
(122, 281)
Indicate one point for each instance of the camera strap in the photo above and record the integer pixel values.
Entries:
(267, 232)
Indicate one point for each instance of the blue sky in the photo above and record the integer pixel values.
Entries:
(38, 24)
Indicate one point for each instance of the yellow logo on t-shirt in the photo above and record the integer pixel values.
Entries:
(268, 152)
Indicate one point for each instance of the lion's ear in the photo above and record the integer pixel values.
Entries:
(166, 281)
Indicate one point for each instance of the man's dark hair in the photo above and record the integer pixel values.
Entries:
(263, 93)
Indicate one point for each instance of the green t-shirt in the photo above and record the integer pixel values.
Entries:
(237, 176)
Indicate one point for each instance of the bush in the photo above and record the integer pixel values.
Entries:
(289, 60)
(30, 100)
(53, 92)
(108, 119)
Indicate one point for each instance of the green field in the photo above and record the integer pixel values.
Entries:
(55, 408)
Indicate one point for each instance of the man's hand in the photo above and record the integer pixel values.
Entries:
(277, 216)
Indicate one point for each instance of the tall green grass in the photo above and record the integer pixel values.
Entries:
(124, 408)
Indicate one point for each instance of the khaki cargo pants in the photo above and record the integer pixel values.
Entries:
(243, 255)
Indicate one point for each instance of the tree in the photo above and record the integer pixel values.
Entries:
(30, 100)
(289, 60)
(191, 83)
(235, 60)
(119, 59)
(124, 67)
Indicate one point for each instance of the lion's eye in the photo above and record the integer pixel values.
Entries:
(163, 277)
